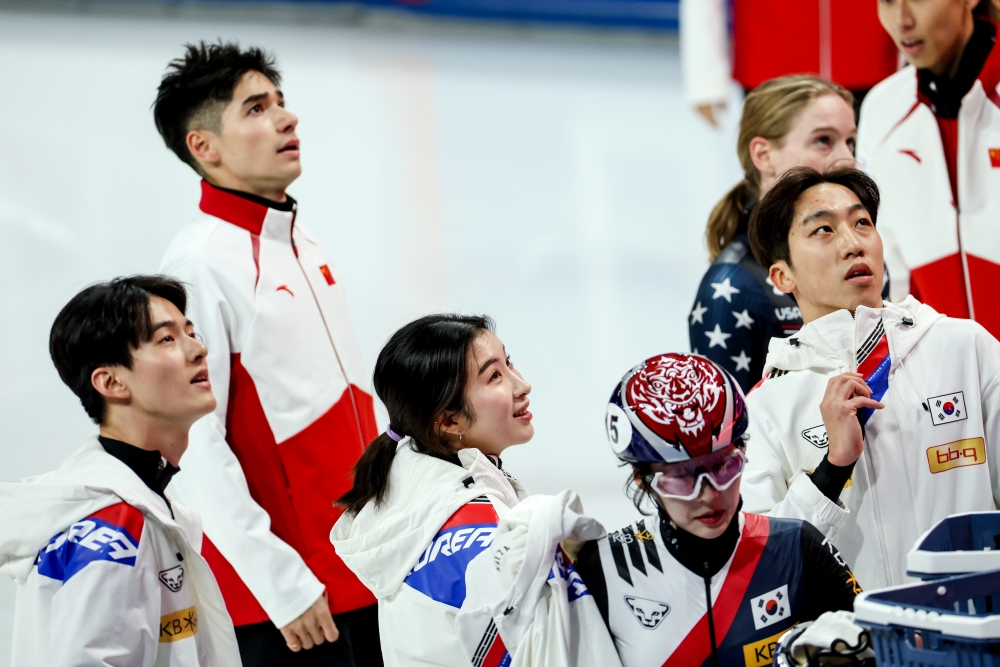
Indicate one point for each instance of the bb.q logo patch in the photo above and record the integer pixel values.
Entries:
(947, 408)
(770, 608)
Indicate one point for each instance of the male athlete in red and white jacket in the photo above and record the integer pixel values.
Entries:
(293, 417)
(930, 137)
(840, 40)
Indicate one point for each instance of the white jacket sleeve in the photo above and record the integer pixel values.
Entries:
(106, 615)
(212, 480)
(704, 51)
(769, 488)
(988, 353)
(546, 617)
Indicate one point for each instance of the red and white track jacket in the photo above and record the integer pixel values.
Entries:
(292, 419)
(840, 40)
(945, 252)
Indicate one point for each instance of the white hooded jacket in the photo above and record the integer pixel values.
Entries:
(106, 576)
(931, 452)
(414, 551)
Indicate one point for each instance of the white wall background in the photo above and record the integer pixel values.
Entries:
(553, 179)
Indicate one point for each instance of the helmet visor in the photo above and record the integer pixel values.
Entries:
(683, 481)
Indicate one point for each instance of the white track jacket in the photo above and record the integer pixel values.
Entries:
(941, 246)
(931, 452)
(265, 469)
(106, 576)
(414, 552)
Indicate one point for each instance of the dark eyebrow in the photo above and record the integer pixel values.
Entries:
(491, 360)
(169, 323)
(255, 98)
(823, 213)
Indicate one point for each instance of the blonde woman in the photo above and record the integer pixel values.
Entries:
(791, 121)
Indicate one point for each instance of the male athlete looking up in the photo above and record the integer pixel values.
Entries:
(930, 137)
(107, 563)
(266, 467)
(876, 420)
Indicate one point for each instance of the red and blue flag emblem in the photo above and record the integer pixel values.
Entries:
(874, 362)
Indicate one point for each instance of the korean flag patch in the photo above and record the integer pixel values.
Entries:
(770, 608)
(947, 408)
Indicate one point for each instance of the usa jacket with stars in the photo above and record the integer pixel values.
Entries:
(108, 575)
(737, 311)
(660, 588)
(933, 146)
(293, 416)
(931, 452)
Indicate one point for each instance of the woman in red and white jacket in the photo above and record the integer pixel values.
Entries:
(840, 40)
(930, 136)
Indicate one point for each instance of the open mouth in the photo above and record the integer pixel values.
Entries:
(911, 46)
(292, 146)
(201, 377)
(523, 413)
(859, 274)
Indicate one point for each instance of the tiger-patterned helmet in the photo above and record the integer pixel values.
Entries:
(674, 407)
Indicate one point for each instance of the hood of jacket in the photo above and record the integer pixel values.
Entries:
(832, 341)
(36, 509)
(382, 545)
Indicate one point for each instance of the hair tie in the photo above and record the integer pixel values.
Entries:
(392, 434)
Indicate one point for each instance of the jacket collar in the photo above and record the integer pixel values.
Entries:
(944, 95)
(832, 342)
(242, 209)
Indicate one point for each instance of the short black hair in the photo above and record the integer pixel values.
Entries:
(197, 86)
(101, 326)
(772, 217)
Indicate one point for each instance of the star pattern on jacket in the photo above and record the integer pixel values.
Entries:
(743, 319)
(742, 361)
(717, 337)
(724, 290)
(698, 313)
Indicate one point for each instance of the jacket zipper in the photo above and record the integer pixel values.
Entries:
(329, 336)
(870, 468)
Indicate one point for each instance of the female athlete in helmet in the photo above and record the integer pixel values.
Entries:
(701, 583)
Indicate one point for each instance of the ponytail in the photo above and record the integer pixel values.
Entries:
(769, 111)
(420, 374)
(724, 221)
(371, 475)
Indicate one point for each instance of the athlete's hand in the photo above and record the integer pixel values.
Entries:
(845, 395)
(311, 628)
(708, 111)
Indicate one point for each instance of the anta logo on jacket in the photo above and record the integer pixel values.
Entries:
(293, 416)
(932, 155)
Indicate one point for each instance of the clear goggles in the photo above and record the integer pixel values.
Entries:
(683, 481)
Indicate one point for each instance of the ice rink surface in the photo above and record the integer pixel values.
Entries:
(554, 179)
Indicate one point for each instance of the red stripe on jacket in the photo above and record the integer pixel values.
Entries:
(297, 484)
(696, 647)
